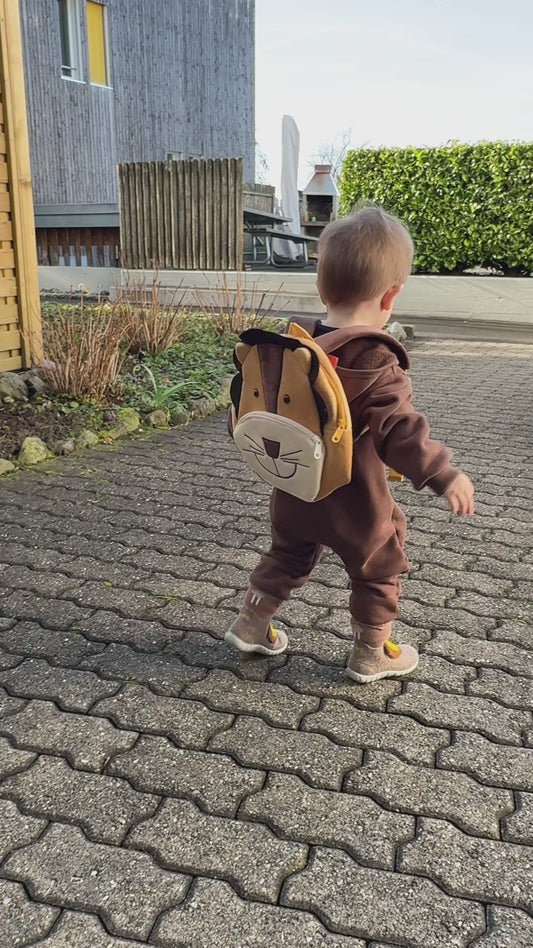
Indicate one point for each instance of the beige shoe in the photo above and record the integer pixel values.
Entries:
(387, 661)
(251, 633)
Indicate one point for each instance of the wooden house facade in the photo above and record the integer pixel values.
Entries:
(111, 81)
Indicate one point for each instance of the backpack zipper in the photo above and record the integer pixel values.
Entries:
(339, 432)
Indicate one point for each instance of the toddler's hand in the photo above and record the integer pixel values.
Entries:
(460, 495)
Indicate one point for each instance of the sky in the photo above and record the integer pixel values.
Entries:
(391, 73)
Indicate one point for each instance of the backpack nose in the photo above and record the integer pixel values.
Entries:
(272, 448)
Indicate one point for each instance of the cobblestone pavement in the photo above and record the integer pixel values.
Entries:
(157, 788)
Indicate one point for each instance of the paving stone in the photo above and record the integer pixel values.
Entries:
(7, 660)
(312, 756)
(456, 619)
(371, 903)
(54, 645)
(213, 906)
(109, 627)
(494, 654)
(400, 735)
(188, 723)
(215, 782)
(325, 818)
(23, 922)
(6, 623)
(104, 807)
(126, 888)
(461, 712)
(424, 791)
(296, 613)
(507, 928)
(70, 689)
(78, 930)
(165, 674)
(504, 608)
(462, 578)
(277, 704)
(518, 828)
(12, 760)
(515, 631)
(188, 617)
(508, 689)
(470, 867)
(499, 765)
(85, 742)
(183, 838)
(17, 829)
(309, 677)
(320, 645)
(59, 614)
(443, 674)
(9, 705)
(201, 650)
(427, 593)
(46, 583)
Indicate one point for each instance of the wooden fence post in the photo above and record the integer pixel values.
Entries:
(23, 242)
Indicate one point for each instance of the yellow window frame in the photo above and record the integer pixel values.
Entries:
(97, 38)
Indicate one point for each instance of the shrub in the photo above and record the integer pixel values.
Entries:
(154, 324)
(231, 311)
(465, 205)
(85, 348)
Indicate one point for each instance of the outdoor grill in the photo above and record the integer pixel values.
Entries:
(320, 201)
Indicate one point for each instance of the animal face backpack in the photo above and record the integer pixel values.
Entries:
(290, 417)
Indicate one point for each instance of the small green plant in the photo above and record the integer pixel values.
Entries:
(162, 396)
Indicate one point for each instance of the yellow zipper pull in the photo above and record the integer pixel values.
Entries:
(339, 432)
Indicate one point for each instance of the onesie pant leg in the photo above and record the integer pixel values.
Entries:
(286, 566)
(375, 602)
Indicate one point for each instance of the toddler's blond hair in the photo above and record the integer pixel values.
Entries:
(361, 256)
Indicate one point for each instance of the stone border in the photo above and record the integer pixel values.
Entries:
(35, 451)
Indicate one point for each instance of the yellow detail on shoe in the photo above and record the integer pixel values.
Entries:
(272, 634)
(392, 650)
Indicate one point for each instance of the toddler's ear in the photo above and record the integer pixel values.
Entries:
(303, 358)
(241, 352)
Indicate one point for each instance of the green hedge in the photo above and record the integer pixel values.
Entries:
(465, 205)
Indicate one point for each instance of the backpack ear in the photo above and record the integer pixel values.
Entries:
(304, 359)
(241, 352)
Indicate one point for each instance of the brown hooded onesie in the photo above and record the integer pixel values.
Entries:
(360, 522)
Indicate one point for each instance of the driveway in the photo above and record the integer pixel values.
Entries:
(157, 788)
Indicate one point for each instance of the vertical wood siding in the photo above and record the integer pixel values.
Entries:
(181, 215)
(182, 75)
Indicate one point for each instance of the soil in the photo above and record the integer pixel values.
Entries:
(45, 421)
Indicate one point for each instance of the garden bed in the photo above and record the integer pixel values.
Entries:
(111, 370)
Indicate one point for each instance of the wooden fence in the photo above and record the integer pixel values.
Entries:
(78, 246)
(259, 197)
(182, 215)
(20, 319)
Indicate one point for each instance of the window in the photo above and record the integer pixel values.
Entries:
(97, 36)
(69, 31)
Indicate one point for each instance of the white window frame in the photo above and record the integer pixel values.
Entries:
(74, 72)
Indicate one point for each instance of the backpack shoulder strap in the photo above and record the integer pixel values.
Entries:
(334, 340)
(309, 323)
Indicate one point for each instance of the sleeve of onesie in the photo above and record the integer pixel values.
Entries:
(402, 435)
